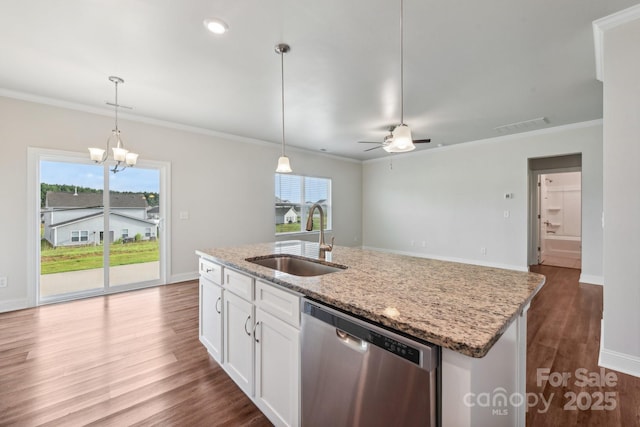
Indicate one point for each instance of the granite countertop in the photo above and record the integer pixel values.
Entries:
(463, 307)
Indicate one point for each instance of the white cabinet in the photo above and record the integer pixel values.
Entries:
(238, 341)
(277, 369)
(211, 318)
(257, 344)
(210, 308)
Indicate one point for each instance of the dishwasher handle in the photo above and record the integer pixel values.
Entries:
(353, 342)
(420, 354)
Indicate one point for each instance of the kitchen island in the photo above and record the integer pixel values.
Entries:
(476, 314)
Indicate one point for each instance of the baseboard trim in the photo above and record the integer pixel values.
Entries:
(13, 304)
(620, 362)
(451, 259)
(591, 279)
(183, 277)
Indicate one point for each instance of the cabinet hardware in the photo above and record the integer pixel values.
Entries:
(209, 270)
(245, 326)
(218, 310)
(254, 332)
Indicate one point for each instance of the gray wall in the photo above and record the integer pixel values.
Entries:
(620, 348)
(225, 184)
(452, 198)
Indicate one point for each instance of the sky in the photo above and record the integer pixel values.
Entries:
(132, 179)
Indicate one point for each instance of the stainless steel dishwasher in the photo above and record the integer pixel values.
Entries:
(355, 373)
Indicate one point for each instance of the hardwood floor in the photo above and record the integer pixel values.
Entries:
(135, 359)
(126, 359)
(564, 335)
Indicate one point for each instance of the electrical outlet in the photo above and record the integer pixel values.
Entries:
(413, 243)
(424, 243)
(483, 251)
(184, 215)
(506, 214)
(3, 282)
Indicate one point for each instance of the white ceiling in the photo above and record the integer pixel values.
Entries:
(470, 65)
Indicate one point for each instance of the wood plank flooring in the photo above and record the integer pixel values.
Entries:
(564, 335)
(127, 359)
(135, 359)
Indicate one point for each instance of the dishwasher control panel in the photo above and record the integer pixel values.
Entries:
(396, 347)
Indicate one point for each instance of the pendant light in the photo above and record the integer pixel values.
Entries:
(283, 161)
(123, 157)
(402, 140)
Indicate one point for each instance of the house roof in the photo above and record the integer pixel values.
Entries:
(98, 214)
(90, 200)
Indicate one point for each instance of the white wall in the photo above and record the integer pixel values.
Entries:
(620, 346)
(211, 177)
(452, 198)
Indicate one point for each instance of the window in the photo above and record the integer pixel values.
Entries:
(125, 233)
(295, 195)
(79, 236)
(147, 232)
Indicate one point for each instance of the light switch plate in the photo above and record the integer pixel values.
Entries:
(3, 282)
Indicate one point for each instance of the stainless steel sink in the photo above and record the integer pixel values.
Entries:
(296, 265)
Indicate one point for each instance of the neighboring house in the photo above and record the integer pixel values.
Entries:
(78, 219)
(291, 216)
(286, 215)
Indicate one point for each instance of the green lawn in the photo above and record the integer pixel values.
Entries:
(63, 259)
(297, 227)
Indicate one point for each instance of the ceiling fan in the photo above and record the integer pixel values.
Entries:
(400, 140)
(388, 139)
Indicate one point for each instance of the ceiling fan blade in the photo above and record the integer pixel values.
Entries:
(369, 149)
(421, 141)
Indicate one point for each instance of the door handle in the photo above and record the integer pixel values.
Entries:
(351, 341)
(254, 332)
(245, 325)
(219, 311)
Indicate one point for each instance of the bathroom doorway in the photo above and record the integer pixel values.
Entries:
(560, 219)
(555, 211)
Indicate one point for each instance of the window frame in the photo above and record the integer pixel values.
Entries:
(80, 235)
(304, 207)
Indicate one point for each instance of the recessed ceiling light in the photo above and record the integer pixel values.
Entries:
(216, 25)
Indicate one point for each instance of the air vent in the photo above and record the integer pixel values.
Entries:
(522, 126)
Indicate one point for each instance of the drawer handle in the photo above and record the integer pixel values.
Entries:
(218, 310)
(254, 333)
(208, 270)
(245, 325)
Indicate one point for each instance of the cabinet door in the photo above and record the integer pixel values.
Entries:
(238, 341)
(277, 369)
(211, 318)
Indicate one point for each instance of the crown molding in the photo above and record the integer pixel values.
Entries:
(607, 23)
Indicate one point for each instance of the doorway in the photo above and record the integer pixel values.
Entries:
(78, 200)
(560, 236)
(555, 211)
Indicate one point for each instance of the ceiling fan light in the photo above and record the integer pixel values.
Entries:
(402, 140)
(283, 165)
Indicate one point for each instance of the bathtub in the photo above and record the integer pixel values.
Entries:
(562, 246)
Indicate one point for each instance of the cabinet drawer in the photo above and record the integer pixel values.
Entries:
(211, 271)
(281, 304)
(239, 284)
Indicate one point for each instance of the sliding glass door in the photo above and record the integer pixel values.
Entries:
(99, 232)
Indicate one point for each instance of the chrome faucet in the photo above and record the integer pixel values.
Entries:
(324, 248)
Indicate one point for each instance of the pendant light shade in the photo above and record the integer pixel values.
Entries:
(123, 157)
(283, 162)
(402, 140)
(283, 165)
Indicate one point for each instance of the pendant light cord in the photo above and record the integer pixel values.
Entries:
(401, 63)
(282, 86)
